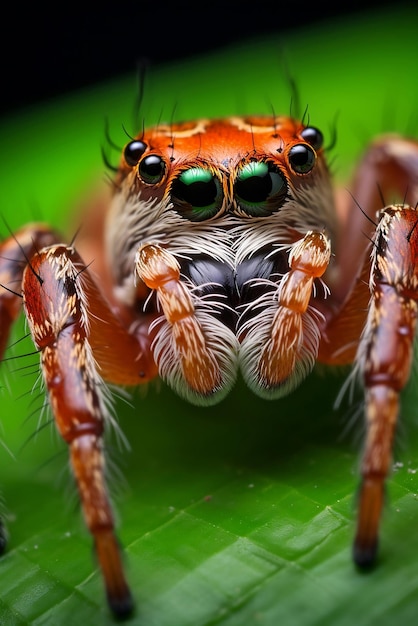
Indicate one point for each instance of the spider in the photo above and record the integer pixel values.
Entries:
(222, 248)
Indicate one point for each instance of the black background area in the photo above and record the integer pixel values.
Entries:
(50, 51)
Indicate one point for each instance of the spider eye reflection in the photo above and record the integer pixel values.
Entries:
(197, 194)
(151, 169)
(313, 137)
(133, 151)
(260, 188)
(301, 158)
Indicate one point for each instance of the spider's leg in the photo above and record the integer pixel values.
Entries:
(384, 360)
(387, 173)
(381, 322)
(187, 348)
(58, 295)
(280, 340)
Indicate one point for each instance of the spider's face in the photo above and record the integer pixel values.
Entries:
(224, 203)
(261, 180)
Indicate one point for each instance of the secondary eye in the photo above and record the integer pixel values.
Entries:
(133, 151)
(197, 194)
(301, 158)
(260, 188)
(151, 169)
(313, 137)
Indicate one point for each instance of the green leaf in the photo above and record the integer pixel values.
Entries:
(242, 513)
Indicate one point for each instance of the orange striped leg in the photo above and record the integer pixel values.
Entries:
(74, 328)
(160, 271)
(288, 347)
(56, 311)
(123, 356)
(384, 358)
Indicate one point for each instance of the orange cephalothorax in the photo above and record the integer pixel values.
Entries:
(247, 167)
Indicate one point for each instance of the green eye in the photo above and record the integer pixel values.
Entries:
(196, 194)
(260, 188)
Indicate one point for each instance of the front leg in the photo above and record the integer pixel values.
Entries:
(78, 335)
(384, 360)
(381, 321)
(58, 319)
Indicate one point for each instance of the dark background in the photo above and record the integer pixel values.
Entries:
(49, 52)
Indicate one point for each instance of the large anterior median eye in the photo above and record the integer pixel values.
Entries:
(260, 188)
(197, 194)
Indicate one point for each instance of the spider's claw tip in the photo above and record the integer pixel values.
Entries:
(118, 594)
(121, 607)
(364, 555)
